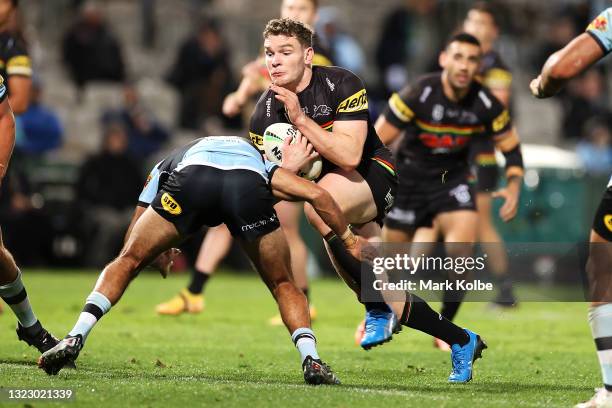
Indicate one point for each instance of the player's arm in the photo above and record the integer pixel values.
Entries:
(507, 141)
(343, 146)
(251, 83)
(20, 87)
(386, 131)
(582, 52)
(19, 73)
(7, 132)
(287, 186)
(163, 263)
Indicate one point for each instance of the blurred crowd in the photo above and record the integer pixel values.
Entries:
(201, 70)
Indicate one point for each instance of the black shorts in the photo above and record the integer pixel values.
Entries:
(201, 195)
(484, 165)
(418, 202)
(379, 173)
(602, 224)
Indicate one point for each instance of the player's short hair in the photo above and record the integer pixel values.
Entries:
(488, 8)
(289, 28)
(463, 38)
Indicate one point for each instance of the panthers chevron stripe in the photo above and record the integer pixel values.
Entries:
(458, 130)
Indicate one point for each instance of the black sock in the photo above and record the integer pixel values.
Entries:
(33, 330)
(423, 318)
(376, 306)
(307, 294)
(348, 262)
(450, 303)
(198, 280)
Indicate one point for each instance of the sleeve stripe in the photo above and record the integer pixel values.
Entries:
(598, 41)
(400, 109)
(26, 71)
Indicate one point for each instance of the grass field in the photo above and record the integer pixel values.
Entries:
(540, 355)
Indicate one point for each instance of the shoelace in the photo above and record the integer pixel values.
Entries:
(459, 359)
(374, 316)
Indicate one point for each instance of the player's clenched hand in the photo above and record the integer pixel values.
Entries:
(164, 262)
(534, 86)
(361, 249)
(298, 154)
(291, 102)
(510, 207)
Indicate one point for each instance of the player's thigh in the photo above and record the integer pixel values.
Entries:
(151, 235)
(289, 216)
(352, 193)
(269, 254)
(458, 226)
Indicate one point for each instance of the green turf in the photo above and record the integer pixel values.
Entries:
(540, 355)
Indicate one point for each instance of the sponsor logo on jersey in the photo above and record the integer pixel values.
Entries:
(608, 221)
(330, 84)
(425, 94)
(389, 199)
(260, 223)
(257, 140)
(169, 204)
(600, 24)
(501, 121)
(149, 177)
(321, 110)
(268, 106)
(354, 103)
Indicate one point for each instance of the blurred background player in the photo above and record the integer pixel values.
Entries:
(15, 64)
(482, 21)
(569, 62)
(218, 241)
(440, 116)
(12, 290)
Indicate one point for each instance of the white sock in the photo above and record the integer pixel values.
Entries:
(600, 320)
(15, 295)
(96, 306)
(306, 343)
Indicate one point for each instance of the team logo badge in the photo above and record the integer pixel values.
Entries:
(461, 194)
(321, 110)
(600, 24)
(169, 204)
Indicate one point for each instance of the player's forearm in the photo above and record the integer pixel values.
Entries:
(337, 147)
(7, 140)
(138, 211)
(568, 62)
(328, 210)
(19, 98)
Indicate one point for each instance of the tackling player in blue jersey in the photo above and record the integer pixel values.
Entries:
(214, 180)
(578, 55)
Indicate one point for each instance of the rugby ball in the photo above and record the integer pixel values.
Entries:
(273, 138)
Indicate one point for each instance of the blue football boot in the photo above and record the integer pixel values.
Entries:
(380, 325)
(463, 358)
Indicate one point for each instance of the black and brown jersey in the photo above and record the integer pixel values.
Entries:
(14, 59)
(439, 131)
(333, 94)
